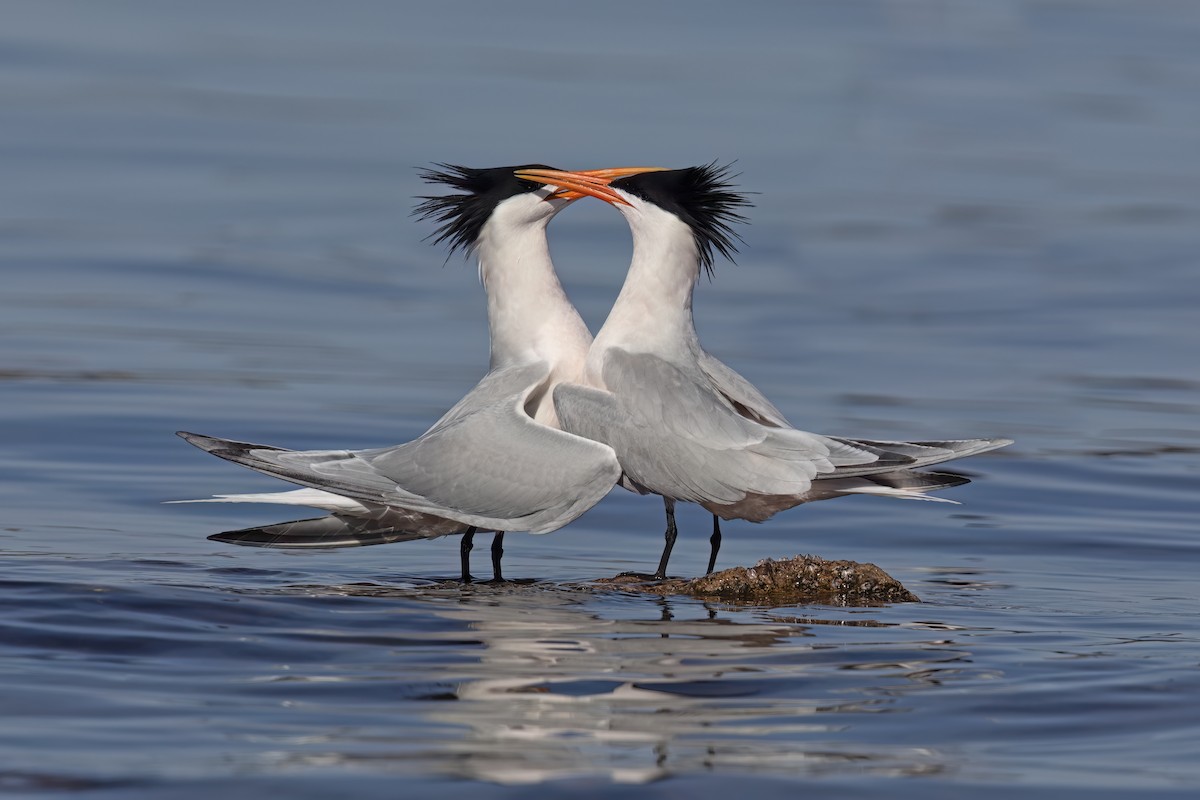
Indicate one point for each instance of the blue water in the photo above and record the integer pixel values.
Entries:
(973, 219)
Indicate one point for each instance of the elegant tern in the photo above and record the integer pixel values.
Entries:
(496, 460)
(683, 424)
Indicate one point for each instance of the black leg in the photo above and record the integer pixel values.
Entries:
(464, 553)
(669, 536)
(497, 554)
(715, 541)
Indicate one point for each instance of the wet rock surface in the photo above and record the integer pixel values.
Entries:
(789, 581)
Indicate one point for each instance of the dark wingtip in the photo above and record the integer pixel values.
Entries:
(222, 448)
(946, 480)
(227, 538)
(206, 443)
(320, 533)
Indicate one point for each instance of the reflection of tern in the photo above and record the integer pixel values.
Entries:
(560, 692)
(496, 460)
(684, 425)
(550, 688)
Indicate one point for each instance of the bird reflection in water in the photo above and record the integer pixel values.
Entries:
(564, 687)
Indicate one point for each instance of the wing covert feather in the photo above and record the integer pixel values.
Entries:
(741, 392)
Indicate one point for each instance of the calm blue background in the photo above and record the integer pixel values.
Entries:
(973, 218)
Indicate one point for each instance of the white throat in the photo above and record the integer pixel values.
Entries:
(653, 312)
(529, 315)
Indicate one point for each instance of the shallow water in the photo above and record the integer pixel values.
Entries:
(973, 220)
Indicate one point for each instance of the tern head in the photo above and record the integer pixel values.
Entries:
(703, 198)
(481, 195)
(496, 193)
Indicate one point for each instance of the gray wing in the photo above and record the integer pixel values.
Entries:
(750, 403)
(487, 463)
(674, 434)
(741, 393)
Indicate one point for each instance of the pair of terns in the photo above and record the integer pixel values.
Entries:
(560, 417)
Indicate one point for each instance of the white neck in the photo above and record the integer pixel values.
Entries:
(653, 312)
(529, 314)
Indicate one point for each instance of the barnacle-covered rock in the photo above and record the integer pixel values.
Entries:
(789, 581)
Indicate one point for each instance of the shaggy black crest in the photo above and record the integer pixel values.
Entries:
(462, 216)
(703, 197)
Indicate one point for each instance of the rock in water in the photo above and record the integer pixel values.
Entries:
(790, 581)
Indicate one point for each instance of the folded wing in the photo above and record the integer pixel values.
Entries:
(708, 436)
(486, 463)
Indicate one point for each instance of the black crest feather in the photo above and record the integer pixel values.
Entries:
(461, 216)
(703, 197)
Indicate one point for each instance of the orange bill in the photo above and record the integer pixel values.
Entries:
(612, 173)
(594, 182)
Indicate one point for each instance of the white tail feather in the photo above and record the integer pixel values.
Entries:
(312, 498)
(899, 494)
